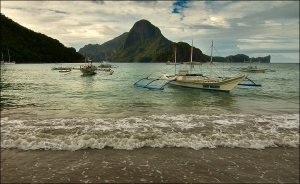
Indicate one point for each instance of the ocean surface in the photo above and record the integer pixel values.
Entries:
(43, 109)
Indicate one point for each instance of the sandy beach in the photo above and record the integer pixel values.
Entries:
(151, 165)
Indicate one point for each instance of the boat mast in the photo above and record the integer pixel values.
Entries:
(8, 55)
(191, 58)
(175, 59)
(211, 51)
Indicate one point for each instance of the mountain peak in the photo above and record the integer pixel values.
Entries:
(142, 31)
(142, 22)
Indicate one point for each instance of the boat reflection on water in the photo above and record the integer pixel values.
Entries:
(190, 100)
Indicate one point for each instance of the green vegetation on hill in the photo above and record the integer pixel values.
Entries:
(27, 46)
(145, 43)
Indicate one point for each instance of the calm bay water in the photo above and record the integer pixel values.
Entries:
(45, 109)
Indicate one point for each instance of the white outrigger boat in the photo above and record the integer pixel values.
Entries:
(188, 79)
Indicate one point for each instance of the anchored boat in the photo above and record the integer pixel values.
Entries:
(7, 62)
(254, 69)
(188, 79)
(88, 68)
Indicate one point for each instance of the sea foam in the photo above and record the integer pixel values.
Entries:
(168, 130)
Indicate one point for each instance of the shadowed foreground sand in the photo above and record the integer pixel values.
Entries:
(147, 165)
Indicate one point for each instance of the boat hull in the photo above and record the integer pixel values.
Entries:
(104, 66)
(225, 85)
(61, 68)
(64, 71)
(88, 70)
(255, 71)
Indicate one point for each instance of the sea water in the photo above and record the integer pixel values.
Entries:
(48, 110)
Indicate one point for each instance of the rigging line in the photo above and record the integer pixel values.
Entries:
(166, 70)
(200, 68)
(217, 51)
(223, 63)
(162, 70)
(218, 70)
(208, 50)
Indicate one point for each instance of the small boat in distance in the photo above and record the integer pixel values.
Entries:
(88, 68)
(253, 68)
(7, 62)
(106, 64)
(61, 68)
(65, 70)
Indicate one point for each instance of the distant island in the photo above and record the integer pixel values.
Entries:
(144, 43)
(241, 58)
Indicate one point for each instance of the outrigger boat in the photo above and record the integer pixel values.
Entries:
(250, 83)
(61, 68)
(188, 79)
(254, 69)
(88, 68)
(105, 65)
(65, 70)
(149, 84)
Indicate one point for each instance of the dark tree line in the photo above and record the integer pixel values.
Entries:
(27, 46)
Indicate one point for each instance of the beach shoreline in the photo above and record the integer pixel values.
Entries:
(151, 165)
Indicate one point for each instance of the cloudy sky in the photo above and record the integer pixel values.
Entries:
(237, 27)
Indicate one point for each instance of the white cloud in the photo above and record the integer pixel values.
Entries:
(237, 27)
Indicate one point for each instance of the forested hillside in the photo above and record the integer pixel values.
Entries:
(27, 46)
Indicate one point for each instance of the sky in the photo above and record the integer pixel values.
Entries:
(254, 28)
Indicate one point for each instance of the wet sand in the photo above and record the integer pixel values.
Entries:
(151, 165)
